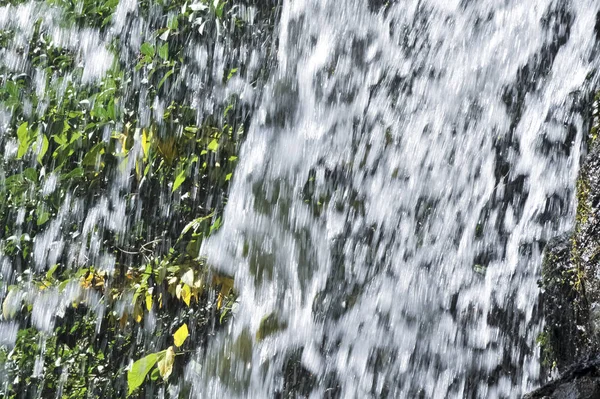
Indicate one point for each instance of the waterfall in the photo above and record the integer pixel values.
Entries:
(403, 171)
(405, 163)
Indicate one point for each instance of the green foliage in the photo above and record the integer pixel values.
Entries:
(90, 13)
(80, 144)
(164, 361)
(139, 370)
(72, 350)
(547, 355)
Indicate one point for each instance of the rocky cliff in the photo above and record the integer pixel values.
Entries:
(571, 295)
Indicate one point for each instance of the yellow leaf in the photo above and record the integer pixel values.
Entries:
(168, 149)
(225, 282)
(99, 281)
(138, 169)
(145, 143)
(122, 138)
(195, 293)
(181, 335)
(87, 282)
(186, 294)
(137, 313)
(149, 301)
(219, 301)
(165, 365)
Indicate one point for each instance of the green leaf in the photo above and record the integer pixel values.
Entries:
(50, 272)
(63, 285)
(181, 335)
(163, 51)
(43, 150)
(196, 223)
(162, 81)
(216, 225)
(230, 75)
(179, 180)
(92, 156)
(147, 49)
(230, 106)
(155, 374)
(43, 215)
(228, 176)
(139, 370)
(15, 182)
(61, 139)
(74, 137)
(173, 23)
(23, 137)
(77, 172)
(213, 145)
(31, 174)
(219, 9)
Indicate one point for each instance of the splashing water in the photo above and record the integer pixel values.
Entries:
(405, 164)
(405, 167)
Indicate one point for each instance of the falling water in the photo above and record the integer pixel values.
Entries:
(405, 164)
(402, 173)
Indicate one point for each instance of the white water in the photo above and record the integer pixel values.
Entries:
(404, 294)
(418, 278)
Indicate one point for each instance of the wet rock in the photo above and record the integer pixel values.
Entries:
(581, 381)
(571, 276)
(564, 339)
(571, 296)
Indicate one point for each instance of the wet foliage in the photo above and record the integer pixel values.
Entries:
(114, 171)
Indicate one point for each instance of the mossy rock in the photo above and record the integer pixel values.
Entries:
(570, 280)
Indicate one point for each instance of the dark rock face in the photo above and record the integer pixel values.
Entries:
(571, 296)
(580, 382)
(565, 337)
(570, 278)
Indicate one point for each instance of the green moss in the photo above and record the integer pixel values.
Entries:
(576, 275)
(583, 207)
(593, 136)
(547, 353)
